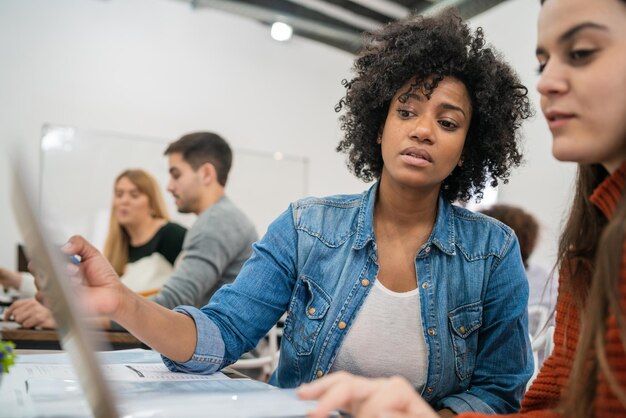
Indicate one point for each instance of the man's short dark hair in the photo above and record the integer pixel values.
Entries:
(204, 147)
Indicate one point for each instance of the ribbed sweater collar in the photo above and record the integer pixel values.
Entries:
(607, 194)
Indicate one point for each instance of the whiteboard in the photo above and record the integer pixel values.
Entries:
(78, 168)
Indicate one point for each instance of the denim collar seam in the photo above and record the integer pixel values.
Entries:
(449, 244)
(360, 241)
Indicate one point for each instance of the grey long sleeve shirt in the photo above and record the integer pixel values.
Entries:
(215, 248)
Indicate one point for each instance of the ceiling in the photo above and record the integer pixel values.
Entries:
(338, 23)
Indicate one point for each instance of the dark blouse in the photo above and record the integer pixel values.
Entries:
(168, 241)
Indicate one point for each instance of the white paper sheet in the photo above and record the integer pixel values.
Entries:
(46, 387)
(123, 372)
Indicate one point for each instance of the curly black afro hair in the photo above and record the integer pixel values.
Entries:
(427, 49)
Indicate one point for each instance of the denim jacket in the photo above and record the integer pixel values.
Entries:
(318, 262)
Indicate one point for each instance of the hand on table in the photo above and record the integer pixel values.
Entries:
(29, 313)
(361, 397)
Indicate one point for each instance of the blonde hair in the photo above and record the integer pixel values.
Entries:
(116, 244)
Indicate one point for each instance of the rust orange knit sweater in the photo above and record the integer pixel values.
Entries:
(545, 392)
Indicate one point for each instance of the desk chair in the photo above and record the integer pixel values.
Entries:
(538, 317)
(541, 336)
(269, 349)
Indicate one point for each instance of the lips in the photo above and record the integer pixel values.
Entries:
(418, 153)
(557, 118)
(416, 157)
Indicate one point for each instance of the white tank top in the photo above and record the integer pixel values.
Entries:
(386, 338)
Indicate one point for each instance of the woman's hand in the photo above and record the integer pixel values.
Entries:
(10, 279)
(365, 398)
(30, 314)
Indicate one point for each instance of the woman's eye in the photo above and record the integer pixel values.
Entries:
(581, 54)
(448, 125)
(403, 113)
(540, 67)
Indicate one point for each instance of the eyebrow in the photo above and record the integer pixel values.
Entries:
(570, 33)
(134, 189)
(447, 106)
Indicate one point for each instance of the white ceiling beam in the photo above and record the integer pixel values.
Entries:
(386, 7)
(261, 13)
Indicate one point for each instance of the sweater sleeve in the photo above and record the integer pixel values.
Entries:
(545, 391)
(28, 288)
(216, 241)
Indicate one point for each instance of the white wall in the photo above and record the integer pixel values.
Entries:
(543, 185)
(157, 68)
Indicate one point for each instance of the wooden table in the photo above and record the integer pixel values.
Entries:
(43, 339)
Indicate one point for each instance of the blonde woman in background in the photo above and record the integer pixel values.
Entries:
(142, 245)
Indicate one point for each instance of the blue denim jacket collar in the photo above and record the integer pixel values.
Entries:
(365, 226)
(442, 235)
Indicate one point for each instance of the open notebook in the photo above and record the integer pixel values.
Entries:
(81, 345)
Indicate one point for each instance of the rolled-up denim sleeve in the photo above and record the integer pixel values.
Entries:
(240, 314)
(466, 401)
(209, 352)
(504, 361)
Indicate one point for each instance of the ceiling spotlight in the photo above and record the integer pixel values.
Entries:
(281, 31)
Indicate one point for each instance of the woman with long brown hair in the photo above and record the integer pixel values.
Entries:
(582, 60)
(142, 244)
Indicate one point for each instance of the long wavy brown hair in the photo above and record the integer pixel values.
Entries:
(116, 244)
(590, 255)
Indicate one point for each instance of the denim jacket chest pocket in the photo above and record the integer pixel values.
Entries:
(465, 321)
(305, 316)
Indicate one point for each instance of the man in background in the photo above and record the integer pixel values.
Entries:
(220, 240)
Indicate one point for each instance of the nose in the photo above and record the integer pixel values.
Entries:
(170, 186)
(553, 79)
(422, 130)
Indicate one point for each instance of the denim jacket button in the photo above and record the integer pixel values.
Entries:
(427, 249)
(342, 325)
(365, 282)
(311, 311)
(432, 331)
(319, 373)
(425, 285)
(462, 329)
(429, 389)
